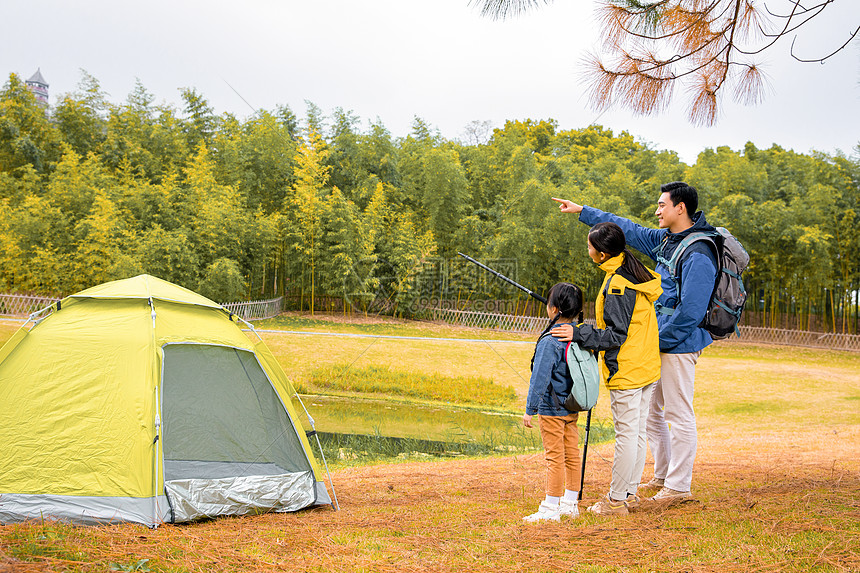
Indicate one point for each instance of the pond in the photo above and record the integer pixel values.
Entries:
(355, 427)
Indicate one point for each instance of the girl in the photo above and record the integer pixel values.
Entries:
(626, 336)
(549, 386)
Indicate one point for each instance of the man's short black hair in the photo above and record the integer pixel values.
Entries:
(680, 192)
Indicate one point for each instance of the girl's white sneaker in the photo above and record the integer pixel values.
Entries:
(569, 508)
(545, 512)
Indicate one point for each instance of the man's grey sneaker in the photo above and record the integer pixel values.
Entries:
(608, 506)
(569, 508)
(655, 483)
(545, 512)
(668, 497)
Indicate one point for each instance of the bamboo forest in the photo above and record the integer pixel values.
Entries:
(334, 213)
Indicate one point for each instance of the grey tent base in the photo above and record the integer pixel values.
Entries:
(89, 510)
(193, 499)
(297, 491)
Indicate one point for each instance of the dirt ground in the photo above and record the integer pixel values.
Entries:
(762, 480)
(776, 502)
(784, 497)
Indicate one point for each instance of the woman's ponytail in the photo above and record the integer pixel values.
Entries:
(609, 238)
(634, 267)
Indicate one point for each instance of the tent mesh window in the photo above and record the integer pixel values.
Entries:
(222, 418)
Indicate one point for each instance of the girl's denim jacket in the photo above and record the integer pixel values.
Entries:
(549, 368)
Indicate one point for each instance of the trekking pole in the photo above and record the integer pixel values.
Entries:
(584, 454)
(504, 278)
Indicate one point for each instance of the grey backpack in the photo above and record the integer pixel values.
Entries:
(729, 295)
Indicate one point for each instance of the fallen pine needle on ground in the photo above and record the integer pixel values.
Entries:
(779, 503)
(776, 488)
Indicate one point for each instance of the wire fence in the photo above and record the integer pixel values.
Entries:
(493, 320)
(20, 305)
(257, 309)
(786, 337)
(748, 334)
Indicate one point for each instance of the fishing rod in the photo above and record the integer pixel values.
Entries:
(543, 300)
(504, 278)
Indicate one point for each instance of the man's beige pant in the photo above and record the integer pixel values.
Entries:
(672, 422)
(629, 414)
(561, 446)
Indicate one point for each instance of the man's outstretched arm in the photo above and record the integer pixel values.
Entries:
(640, 238)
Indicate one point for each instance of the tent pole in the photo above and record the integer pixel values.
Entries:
(328, 473)
(251, 326)
(313, 429)
(157, 439)
(319, 445)
(155, 516)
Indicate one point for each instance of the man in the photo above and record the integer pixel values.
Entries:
(671, 425)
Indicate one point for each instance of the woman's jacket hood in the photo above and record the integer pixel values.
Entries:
(652, 289)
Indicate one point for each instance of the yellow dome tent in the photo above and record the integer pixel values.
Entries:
(138, 400)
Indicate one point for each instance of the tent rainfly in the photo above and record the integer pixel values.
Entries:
(141, 401)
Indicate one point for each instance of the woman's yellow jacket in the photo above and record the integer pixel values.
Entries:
(626, 332)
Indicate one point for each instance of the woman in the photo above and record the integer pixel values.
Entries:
(626, 336)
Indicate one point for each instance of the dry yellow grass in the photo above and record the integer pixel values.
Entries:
(777, 487)
(766, 504)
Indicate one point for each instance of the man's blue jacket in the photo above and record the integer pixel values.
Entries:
(679, 332)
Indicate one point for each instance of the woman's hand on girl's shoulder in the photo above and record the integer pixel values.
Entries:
(564, 332)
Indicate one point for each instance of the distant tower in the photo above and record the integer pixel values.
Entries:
(39, 87)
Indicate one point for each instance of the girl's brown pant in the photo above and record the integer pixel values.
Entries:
(561, 445)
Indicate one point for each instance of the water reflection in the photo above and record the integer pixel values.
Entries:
(378, 417)
(427, 426)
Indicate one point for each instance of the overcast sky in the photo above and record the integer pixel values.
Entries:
(397, 59)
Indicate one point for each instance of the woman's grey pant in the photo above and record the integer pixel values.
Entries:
(629, 414)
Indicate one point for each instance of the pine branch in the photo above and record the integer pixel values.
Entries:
(501, 9)
(712, 41)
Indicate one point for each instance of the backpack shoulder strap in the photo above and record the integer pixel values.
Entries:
(675, 259)
(542, 336)
(658, 251)
(672, 262)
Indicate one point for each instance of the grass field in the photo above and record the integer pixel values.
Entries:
(776, 482)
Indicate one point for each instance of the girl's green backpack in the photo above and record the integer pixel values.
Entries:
(585, 373)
